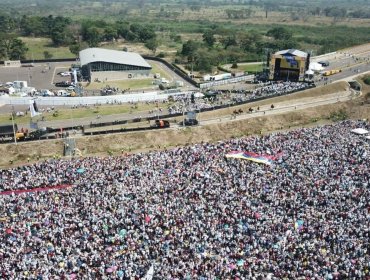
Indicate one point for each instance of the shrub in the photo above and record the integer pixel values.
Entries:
(367, 97)
(340, 115)
(367, 80)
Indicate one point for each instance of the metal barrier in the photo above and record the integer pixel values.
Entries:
(227, 81)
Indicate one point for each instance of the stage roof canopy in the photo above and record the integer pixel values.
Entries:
(292, 52)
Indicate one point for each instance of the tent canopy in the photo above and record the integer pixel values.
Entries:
(309, 72)
(314, 66)
(359, 131)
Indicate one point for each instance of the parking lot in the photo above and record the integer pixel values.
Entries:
(40, 76)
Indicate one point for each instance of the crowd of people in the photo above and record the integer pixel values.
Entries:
(270, 89)
(193, 213)
(227, 97)
(279, 88)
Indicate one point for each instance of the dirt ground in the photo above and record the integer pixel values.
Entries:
(116, 144)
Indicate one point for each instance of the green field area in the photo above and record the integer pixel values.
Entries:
(37, 47)
(250, 68)
(79, 113)
(123, 84)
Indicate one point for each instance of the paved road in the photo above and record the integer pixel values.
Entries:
(351, 62)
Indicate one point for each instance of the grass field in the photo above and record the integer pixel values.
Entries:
(89, 112)
(123, 84)
(250, 68)
(37, 46)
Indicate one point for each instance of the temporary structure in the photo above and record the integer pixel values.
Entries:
(359, 131)
(316, 67)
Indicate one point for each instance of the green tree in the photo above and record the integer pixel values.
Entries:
(228, 41)
(152, 45)
(32, 26)
(280, 33)
(7, 23)
(203, 62)
(18, 49)
(59, 38)
(58, 30)
(75, 48)
(123, 28)
(143, 33)
(250, 41)
(47, 55)
(175, 37)
(189, 48)
(93, 36)
(208, 38)
(110, 33)
(6, 40)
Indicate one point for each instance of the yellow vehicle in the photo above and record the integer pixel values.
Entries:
(20, 136)
(331, 72)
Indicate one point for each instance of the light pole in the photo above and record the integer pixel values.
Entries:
(183, 114)
(15, 138)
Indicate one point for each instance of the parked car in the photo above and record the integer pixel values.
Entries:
(63, 93)
(46, 92)
(324, 63)
(63, 84)
(161, 124)
(189, 122)
(64, 74)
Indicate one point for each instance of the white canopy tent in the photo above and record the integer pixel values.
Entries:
(198, 95)
(315, 66)
(309, 72)
(360, 131)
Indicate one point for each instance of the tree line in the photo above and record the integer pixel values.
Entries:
(219, 44)
(64, 32)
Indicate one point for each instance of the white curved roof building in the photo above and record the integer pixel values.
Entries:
(105, 60)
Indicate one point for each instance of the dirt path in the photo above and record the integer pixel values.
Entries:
(288, 106)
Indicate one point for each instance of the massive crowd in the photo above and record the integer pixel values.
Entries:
(227, 97)
(270, 89)
(278, 88)
(192, 213)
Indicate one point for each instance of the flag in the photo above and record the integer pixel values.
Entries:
(298, 225)
(259, 158)
(33, 109)
(33, 125)
(149, 275)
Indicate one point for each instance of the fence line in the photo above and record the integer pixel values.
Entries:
(90, 100)
(227, 81)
